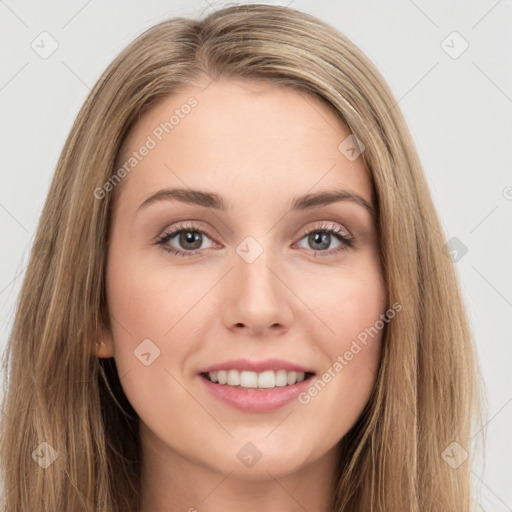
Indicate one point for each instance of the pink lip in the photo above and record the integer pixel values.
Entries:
(255, 400)
(256, 366)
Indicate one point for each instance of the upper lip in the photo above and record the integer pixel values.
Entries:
(256, 366)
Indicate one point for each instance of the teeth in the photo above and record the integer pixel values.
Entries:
(248, 379)
(281, 378)
(264, 380)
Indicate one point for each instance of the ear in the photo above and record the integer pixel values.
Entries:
(105, 345)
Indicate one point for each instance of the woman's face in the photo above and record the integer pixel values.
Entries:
(261, 272)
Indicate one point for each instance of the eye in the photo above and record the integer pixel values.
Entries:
(189, 236)
(321, 237)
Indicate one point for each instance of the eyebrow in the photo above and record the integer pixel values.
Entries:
(215, 201)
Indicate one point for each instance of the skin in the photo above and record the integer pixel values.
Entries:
(258, 146)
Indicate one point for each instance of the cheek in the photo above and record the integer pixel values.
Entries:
(354, 307)
(352, 304)
(148, 301)
(147, 313)
(151, 331)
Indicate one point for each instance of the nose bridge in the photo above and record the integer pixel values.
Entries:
(256, 266)
(259, 298)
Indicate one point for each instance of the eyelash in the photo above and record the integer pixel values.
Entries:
(347, 242)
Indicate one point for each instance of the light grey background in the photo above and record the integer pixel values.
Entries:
(458, 109)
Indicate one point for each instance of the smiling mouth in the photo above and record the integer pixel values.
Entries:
(269, 379)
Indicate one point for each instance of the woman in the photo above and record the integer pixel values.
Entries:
(255, 369)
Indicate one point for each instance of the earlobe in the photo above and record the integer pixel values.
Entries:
(105, 346)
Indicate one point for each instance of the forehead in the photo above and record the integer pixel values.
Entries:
(242, 139)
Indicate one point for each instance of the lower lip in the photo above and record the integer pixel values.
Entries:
(256, 400)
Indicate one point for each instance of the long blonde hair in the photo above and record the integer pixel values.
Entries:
(61, 400)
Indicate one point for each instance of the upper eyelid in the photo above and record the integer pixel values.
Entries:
(329, 226)
(196, 226)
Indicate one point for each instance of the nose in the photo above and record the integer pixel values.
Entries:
(257, 298)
